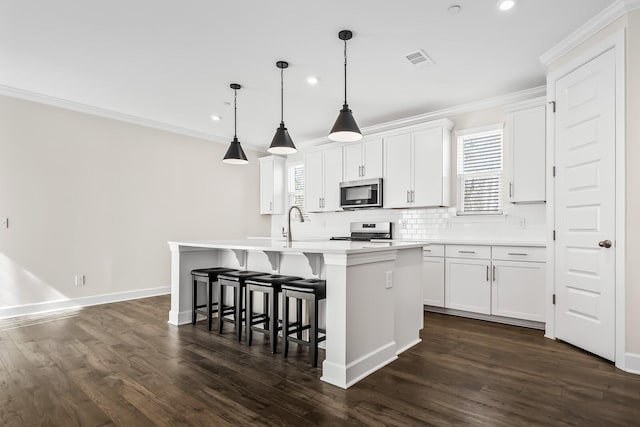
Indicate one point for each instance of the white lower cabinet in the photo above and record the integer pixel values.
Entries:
(467, 285)
(505, 281)
(433, 276)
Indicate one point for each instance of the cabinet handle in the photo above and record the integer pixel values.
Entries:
(427, 250)
(323, 202)
(271, 206)
(516, 253)
(487, 273)
(494, 273)
(466, 252)
(408, 196)
(363, 171)
(413, 196)
(511, 189)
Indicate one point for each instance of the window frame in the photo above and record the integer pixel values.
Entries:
(463, 134)
(290, 194)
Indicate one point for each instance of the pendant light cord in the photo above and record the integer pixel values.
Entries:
(235, 113)
(345, 72)
(282, 95)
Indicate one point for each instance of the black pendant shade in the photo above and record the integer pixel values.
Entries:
(345, 129)
(235, 154)
(282, 142)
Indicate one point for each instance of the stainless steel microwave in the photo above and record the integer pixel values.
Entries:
(366, 193)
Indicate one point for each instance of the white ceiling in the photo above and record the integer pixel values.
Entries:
(172, 61)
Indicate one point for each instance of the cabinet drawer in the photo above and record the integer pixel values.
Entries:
(519, 253)
(467, 251)
(433, 250)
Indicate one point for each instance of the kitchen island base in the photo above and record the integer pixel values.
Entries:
(373, 310)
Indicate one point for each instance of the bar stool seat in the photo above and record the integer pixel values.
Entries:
(312, 290)
(236, 280)
(270, 286)
(208, 276)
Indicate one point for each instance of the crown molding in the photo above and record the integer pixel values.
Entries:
(422, 119)
(591, 27)
(114, 115)
(523, 105)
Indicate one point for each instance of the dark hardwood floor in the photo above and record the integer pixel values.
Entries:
(122, 364)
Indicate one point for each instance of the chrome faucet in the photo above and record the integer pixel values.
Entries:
(289, 239)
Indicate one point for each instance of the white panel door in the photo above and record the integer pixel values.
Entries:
(585, 206)
(397, 179)
(433, 281)
(313, 177)
(467, 285)
(332, 178)
(518, 290)
(427, 168)
(352, 162)
(372, 159)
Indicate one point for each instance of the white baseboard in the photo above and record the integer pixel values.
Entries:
(487, 317)
(346, 376)
(63, 304)
(181, 318)
(408, 346)
(632, 363)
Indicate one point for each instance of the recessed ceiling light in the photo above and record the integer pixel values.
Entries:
(216, 118)
(506, 4)
(456, 8)
(312, 80)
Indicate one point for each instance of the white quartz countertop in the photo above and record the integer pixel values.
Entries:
(486, 242)
(306, 246)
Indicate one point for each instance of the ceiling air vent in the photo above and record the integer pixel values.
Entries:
(419, 58)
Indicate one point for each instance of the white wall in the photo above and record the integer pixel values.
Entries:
(520, 222)
(99, 197)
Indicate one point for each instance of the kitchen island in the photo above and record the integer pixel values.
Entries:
(373, 310)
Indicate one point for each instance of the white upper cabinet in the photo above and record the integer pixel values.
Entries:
(417, 168)
(362, 160)
(527, 138)
(272, 184)
(323, 175)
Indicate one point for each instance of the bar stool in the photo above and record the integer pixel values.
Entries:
(236, 280)
(208, 276)
(270, 286)
(312, 290)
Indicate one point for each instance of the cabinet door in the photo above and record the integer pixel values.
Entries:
(428, 168)
(397, 177)
(372, 159)
(518, 290)
(332, 179)
(266, 186)
(352, 163)
(527, 132)
(433, 281)
(313, 181)
(467, 285)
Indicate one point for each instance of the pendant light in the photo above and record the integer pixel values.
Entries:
(235, 154)
(345, 129)
(282, 142)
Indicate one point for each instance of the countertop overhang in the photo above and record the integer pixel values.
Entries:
(311, 246)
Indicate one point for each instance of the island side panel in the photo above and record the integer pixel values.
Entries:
(409, 311)
(360, 316)
(183, 260)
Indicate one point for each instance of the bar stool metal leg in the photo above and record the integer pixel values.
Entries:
(195, 302)
(285, 323)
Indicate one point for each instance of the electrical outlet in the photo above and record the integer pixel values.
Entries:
(4, 222)
(79, 279)
(389, 282)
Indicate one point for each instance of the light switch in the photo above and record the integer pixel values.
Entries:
(79, 279)
(389, 282)
(4, 222)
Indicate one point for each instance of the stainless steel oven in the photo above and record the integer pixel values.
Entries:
(366, 193)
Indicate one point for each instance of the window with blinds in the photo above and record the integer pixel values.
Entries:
(296, 187)
(480, 168)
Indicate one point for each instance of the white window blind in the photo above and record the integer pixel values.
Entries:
(480, 168)
(296, 187)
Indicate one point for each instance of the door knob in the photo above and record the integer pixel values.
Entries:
(604, 243)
